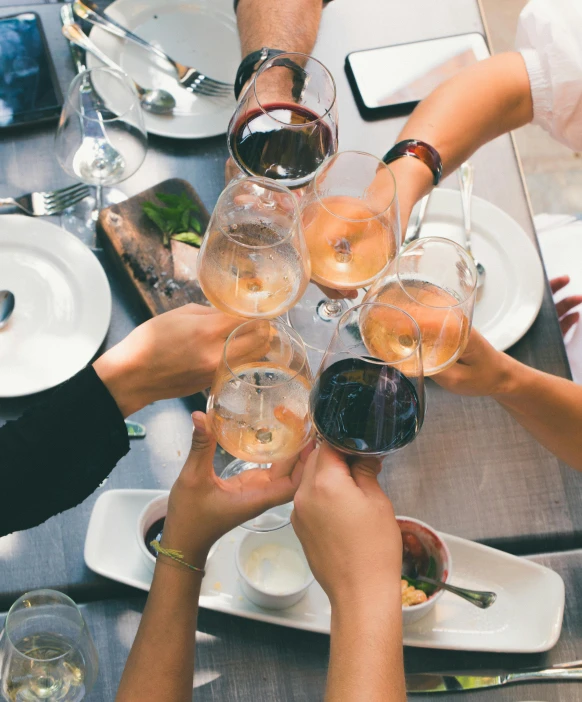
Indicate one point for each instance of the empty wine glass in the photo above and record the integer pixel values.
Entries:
(254, 261)
(46, 650)
(368, 397)
(352, 229)
(259, 402)
(435, 281)
(100, 142)
(285, 124)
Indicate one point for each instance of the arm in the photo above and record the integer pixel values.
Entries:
(354, 547)
(201, 509)
(550, 408)
(480, 103)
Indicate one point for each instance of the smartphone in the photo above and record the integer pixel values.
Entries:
(392, 80)
(29, 91)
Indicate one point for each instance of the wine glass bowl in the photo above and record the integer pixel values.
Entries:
(254, 261)
(285, 124)
(435, 281)
(363, 403)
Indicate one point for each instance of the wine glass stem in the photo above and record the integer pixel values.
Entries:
(330, 309)
(98, 201)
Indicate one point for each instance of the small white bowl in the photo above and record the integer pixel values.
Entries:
(283, 537)
(436, 548)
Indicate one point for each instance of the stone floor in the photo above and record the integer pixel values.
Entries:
(553, 172)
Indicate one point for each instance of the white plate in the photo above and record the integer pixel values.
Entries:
(526, 618)
(514, 288)
(62, 309)
(198, 33)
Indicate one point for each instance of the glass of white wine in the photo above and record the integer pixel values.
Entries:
(99, 142)
(352, 229)
(254, 261)
(435, 281)
(46, 650)
(259, 403)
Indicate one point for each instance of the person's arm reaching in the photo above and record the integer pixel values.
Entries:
(202, 508)
(354, 547)
(550, 408)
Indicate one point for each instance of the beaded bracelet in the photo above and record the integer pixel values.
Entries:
(177, 556)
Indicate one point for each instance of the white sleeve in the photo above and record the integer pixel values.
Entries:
(549, 37)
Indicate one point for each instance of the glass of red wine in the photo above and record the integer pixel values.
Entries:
(285, 124)
(368, 397)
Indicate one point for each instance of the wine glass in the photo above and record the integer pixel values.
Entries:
(254, 261)
(368, 397)
(285, 124)
(100, 142)
(352, 229)
(259, 402)
(46, 650)
(435, 281)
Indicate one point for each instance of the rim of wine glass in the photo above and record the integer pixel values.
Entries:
(289, 331)
(67, 600)
(269, 63)
(269, 184)
(105, 69)
(320, 199)
(380, 362)
(460, 249)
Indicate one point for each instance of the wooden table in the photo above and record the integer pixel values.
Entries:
(472, 472)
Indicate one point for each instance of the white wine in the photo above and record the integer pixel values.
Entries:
(54, 670)
(443, 325)
(260, 412)
(346, 254)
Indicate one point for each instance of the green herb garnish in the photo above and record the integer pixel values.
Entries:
(177, 218)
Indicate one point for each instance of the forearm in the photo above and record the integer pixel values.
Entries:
(161, 662)
(550, 408)
(475, 106)
(290, 25)
(366, 659)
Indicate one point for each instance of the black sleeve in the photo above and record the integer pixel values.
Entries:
(58, 452)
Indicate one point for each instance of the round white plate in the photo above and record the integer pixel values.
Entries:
(62, 309)
(513, 291)
(201, 34)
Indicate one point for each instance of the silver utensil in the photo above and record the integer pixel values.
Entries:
(135, 430)
(153, 100)
(466, 680)
(48, 202)
(6, 306)
(188, 78)
(466, 176)
(417, 228)
(413, 565)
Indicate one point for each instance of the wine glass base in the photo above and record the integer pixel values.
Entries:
(271, 520)
(81, 219)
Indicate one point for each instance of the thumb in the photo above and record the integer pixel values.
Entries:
(365, 474)
(203, 443)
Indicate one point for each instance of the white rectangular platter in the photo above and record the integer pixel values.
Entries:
(527, 617)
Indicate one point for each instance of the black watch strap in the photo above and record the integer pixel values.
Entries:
(420, 150)
(250, 64)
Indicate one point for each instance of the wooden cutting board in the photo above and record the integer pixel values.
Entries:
(164, 278)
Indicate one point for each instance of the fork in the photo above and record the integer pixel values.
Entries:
(49, 202)
(188, 78)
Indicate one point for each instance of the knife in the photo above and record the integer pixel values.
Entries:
(67, 17)
(419, 221)
(467, 680)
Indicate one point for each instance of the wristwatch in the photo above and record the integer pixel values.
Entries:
(250, 64)
(420, 150)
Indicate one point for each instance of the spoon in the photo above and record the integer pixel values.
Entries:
(6, 307)
(466, 173)
(414, 564)
(155, 100)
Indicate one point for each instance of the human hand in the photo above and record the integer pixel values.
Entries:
(347, 527)
(481, 370)
(564, 306)
(202, 507)
(172, 355)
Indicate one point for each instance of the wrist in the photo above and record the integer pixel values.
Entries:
(367, 592)
(122, 380)
(508, 378)
(413, 181)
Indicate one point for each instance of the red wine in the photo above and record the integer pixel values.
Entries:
(276, 145)
(154, 533)
(365, 408)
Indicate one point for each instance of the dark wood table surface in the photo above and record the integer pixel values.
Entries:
(473, 471)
